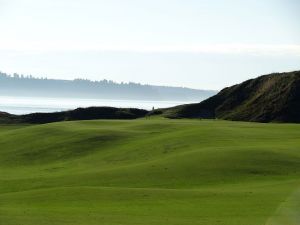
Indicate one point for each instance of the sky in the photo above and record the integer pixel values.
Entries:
(189, 43)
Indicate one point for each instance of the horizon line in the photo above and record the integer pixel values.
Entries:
(35, 77)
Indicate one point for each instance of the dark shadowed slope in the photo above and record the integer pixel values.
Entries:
(269, 98)
(77, 114)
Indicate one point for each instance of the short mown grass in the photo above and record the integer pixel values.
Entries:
(149, 171)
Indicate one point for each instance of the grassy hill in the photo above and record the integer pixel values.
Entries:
(269, 98)
(151, 172)
(89, 113)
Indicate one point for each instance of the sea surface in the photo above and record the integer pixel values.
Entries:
(24, 105)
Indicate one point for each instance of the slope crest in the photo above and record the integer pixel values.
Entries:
(269, 98)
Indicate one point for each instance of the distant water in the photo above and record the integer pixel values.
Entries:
(24, 105)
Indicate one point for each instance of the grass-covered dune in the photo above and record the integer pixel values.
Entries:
(268, 98)
(150, 172)
(90, 113)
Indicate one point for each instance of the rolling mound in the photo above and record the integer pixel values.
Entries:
(269, 98)
(89, 113)
(148, 172)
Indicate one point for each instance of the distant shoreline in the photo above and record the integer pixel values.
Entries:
(20, 85)
(19, 105)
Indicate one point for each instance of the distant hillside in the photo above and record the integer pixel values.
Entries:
(269, 98)
(19, 85)
(90, 113)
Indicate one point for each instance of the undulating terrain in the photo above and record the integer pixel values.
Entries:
(89, 113)
(269, 98)
(150, 171)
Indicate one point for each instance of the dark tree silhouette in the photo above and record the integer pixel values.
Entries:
(21, 85)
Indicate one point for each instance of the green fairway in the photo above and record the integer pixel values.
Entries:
(150, 172)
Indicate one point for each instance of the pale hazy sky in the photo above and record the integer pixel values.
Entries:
(206, 44)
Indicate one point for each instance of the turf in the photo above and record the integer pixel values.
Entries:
(150, 172)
